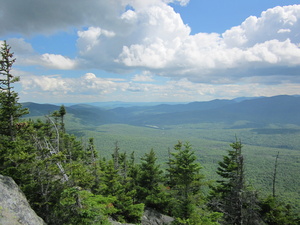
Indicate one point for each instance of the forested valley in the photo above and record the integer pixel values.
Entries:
(67, 181)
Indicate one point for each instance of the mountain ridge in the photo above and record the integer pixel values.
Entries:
(275, 109)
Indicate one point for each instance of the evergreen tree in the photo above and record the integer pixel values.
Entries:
(231, 197)
(184, 180)
(113, 184)
(132, 179)
(10, 109)
(82, 207)
(123, 165)
(62, 112)
(53, 169)
(47, 168)
(91, 151)
(149, 183)
(94, 164)
(13, 150)
(276, 212)
(116, 156)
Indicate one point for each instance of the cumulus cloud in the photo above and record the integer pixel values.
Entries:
(88, 39)
(50, 61)
(151, 31)
(26, 55)
(278, 23)
(156, 39)
(57, 62)
(91, 87)
(269, 41)
(88, 83)
(50, 16)
(124, 35)
(45, 83)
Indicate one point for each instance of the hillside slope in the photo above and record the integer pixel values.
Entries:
(278, 109)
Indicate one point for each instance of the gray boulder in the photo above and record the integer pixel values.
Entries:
(14, 207)
(150, 217)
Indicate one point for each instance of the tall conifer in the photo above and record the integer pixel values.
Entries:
(149, 183)
(231, 197)
(184, 179)
(10, 109)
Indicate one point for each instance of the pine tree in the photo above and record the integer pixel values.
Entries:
(184, 179)
(231, 197)
(276, 212)
(132, 178)
(13, 150)
(78, 206)
(62, 112)
(113, 184)
(116, 156)
(149, 183)
(10, 109)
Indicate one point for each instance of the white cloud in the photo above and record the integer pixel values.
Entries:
(51, 16)
(45, 83)
(144, 77)
(91, 87)
(49, 61)
(25, 55)
(88, 83)
(151, 36)
(154, 55)
(269, 26)
(181, 2)
(257, 47)
(57, 62)
(20, 46)
(138, 4)
(88, 39)
(150, 32)
(276, 52)
(281, 31)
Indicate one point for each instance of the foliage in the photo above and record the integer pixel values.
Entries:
(10, 109)
(238, 203)
(113, 184)
(83, 207)
(149, 183)
(276, 212)
(67, 182)
(184, 180)
(210, 140)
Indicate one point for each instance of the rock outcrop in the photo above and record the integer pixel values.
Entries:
(151, 217)
(14, 207)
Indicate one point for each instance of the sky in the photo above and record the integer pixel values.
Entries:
(75, 51)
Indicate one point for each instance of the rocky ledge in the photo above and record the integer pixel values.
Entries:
(14, 207)
(151, 217)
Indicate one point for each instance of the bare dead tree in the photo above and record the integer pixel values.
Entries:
(274, 175)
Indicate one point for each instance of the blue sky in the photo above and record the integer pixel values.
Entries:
(152, 50)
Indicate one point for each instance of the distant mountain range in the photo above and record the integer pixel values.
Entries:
(281, 109)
